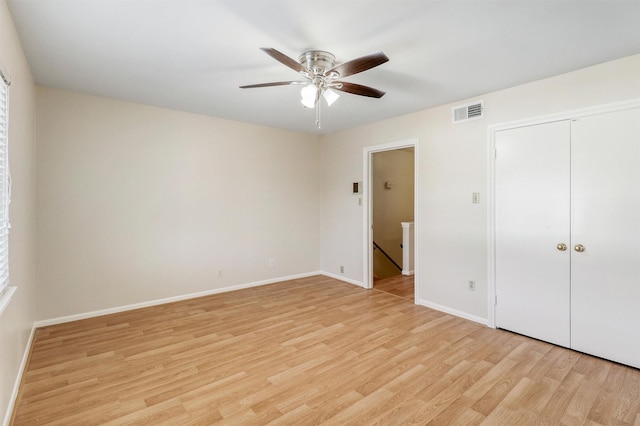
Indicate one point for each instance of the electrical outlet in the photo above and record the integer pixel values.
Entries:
(472, 286)
(272, 262)
(219, 273)
(341, 269)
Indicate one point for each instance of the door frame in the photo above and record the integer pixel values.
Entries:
(368, 210)
(491, 158)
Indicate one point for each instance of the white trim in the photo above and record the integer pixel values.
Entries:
(5, 189)
(16, 385)
(85, 315)
(491, 255)
(367, 252)
(345, 279)
(5, 298)
(491, 132)
(568, 115)
(451, 311)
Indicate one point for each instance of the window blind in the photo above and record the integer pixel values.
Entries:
(4, 184)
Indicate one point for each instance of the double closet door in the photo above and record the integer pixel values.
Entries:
(567, 233)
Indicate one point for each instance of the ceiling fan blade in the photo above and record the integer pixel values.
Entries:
(358, 89)
(276, 83)
(357, 65)
(284, 59)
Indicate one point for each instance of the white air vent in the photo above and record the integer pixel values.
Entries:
(468, 112)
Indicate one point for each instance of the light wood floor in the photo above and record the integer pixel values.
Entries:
(312, 351)
(399, 285)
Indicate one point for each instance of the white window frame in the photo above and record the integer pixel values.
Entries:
(5, 194)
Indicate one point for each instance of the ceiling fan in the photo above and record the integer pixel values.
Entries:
(321, 76)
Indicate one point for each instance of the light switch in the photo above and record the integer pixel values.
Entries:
(475, 198)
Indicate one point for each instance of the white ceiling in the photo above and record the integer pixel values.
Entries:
(192, 55)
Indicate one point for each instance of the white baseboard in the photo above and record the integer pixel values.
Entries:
(16, 385)
(85, 315)
(124, 308)
(345, 279)
(421, 302)
(451, 311)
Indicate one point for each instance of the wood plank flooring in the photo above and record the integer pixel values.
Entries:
(311, 351)
(399, 285)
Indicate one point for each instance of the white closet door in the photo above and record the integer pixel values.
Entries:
(605, 277)
(532, 215)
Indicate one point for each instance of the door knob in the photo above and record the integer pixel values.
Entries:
(579, 248)
(561, 246)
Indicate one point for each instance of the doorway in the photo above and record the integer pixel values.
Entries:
(390, 194)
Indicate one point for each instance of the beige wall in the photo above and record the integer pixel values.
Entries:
(137, 203)
(452, 232)
(17, 319)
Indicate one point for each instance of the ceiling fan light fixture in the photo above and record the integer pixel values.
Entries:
(330, 96)
(309, 93)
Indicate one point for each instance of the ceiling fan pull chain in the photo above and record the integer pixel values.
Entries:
(318, 109)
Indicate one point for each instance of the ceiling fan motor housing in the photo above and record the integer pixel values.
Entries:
(317, 61)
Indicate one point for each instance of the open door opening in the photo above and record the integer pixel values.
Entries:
(391, 205)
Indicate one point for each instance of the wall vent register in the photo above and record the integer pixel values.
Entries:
(468, 112)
